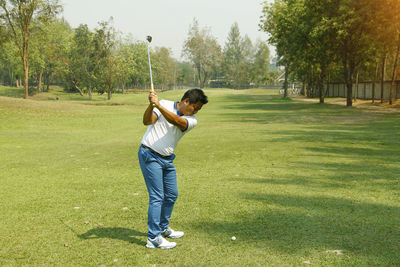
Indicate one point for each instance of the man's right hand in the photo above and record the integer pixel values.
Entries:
(153, 98)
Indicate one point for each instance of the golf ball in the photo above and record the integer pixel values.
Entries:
(233, 238)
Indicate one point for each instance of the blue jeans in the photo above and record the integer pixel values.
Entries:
(160, 177)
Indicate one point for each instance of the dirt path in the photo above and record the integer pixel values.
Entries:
(362, 104)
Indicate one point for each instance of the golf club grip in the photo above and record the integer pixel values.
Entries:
(152, 89)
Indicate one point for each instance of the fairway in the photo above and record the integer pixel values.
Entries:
(296, 183)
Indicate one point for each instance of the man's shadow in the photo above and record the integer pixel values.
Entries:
(119, 233)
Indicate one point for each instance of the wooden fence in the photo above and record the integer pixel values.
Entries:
(364, 90)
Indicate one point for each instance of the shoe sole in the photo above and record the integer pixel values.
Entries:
(173, 237)
(152, 246)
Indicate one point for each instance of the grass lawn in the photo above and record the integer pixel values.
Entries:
(297, 183)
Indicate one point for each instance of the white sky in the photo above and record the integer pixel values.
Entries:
(168, 21)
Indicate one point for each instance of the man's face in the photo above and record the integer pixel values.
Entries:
(191, 109)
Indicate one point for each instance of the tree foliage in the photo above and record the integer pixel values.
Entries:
(19, 17)
(203, 50)
(238, 57)
(37, 49)
(317, 40)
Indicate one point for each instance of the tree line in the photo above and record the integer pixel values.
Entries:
(39, 48)
(321, 41)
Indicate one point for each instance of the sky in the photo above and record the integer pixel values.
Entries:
(168, 21)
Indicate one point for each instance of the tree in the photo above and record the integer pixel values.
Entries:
(260, 72)
(80, 63)
(393, 7)
(318, 38)
(312, 36)
(105, 58)
(18, 15)
(10, 64)
(238, 58)
(140, 74)
(184, 73)
(352, 27)
(203, 50)
(125, 66)
(48, 51)
(59, 43)
(3, 33)
(281, 19)
(164, 67)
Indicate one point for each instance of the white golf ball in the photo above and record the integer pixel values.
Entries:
(233, 238)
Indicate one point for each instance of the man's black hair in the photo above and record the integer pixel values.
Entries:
(195, 95)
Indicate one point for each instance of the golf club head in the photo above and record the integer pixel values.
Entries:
(149, 38)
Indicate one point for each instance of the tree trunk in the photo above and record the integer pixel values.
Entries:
(25, 59)
(383, 69)
(109, 95)
(374, 81)
(392, 84)
(48, 81)
(321, 93)
(348, 76)
(348, 69)
(199, 76)
(285, 84)
(349, 86)
(203, 81)
(303, 86)
(26, 72)
(17, 83)
(123, 88)
(321, 85)
(75, 85)
(11, 76)
(40, 80)
(356, 89)
(89, 88)
(309, 85)
(90, 93)
(327, 85)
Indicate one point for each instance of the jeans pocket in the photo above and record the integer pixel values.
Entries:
(142, 154)
(148, 156)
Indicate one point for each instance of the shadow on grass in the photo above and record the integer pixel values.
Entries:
(354, 147)
(299, 223)
(12, 92)
(273, 108)
(57, 95)
(327, 177)
(125, 234)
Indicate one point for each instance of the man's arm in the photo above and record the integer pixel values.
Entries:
(172, 118)
(149, 117)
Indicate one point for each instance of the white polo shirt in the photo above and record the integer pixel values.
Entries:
(163, 136)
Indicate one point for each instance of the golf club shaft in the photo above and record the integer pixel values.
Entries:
(151, 74)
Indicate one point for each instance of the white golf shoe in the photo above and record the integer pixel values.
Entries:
(159, 242)
(171, 233)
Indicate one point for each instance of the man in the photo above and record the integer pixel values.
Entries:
(168, 121)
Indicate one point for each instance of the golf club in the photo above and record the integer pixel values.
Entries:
(149, 38)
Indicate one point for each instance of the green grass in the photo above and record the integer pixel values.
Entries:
(291, 180)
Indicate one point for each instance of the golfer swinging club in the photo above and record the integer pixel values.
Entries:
(167, 122)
